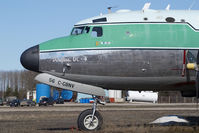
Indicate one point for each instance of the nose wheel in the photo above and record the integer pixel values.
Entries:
(90, 119)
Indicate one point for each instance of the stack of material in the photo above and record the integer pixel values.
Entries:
(115, 96)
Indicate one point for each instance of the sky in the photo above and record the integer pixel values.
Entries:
(25, 23)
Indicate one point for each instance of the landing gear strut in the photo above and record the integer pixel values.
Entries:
(90, 119)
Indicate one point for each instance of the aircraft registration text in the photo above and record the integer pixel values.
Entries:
(62, 83)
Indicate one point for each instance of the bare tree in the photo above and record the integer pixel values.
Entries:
(18, 82)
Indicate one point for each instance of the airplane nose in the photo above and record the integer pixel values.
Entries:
(30, 58)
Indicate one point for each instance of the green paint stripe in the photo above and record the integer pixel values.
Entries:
(158, 36)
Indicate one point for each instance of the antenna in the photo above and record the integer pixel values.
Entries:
(146, 6)
(110, 7)
(168, 7)
(192, 4)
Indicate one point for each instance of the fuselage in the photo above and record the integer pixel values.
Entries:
(140, 50)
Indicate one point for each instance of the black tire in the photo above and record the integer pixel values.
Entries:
(86, 114)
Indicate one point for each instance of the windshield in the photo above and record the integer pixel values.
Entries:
(80, 30)
(77, 30)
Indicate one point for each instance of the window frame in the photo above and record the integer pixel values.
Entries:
(82, 32)
(75, 28)
(101, 34)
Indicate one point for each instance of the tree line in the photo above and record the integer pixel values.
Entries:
(16, 83)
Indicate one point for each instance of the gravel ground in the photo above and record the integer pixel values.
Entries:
(132, 121)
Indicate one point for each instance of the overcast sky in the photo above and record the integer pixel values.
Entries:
(24, 23)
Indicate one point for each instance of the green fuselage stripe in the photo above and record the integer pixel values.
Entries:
(151, 36)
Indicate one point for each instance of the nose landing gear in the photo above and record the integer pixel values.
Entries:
(90, 119)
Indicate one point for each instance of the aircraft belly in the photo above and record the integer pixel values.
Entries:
(122, 63)
(131, 83)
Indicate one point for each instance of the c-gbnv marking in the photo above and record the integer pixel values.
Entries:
(65, 84)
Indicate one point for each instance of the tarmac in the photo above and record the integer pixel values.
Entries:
(107, 107)
(117, 118)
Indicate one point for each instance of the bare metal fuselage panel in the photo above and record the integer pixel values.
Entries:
(136, 69)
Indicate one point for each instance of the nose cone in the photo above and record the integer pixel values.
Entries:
(30, 58)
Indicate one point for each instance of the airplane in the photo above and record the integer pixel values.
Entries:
(146, 50)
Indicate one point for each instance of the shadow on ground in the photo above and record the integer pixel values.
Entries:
(59, 129)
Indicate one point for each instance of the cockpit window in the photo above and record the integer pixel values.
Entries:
(80, 30)
(86, 30)
(77, 30)
(97, 32)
